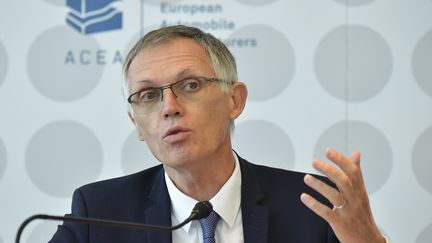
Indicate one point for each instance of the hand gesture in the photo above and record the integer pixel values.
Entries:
(351, 217)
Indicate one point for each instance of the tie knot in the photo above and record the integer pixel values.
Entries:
(208, 226)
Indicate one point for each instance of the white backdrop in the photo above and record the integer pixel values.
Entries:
(352, 74)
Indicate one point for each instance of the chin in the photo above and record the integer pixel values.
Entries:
(184, 158)
(178, 157)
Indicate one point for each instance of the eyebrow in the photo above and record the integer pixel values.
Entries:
(178, 75)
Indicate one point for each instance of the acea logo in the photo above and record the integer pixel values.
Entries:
(92, 16)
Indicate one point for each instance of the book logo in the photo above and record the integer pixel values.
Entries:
(92, 16)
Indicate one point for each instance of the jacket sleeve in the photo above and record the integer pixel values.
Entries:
(70, 232)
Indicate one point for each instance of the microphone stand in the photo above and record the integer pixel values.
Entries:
(201, 210)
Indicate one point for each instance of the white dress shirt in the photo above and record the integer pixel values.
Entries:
(226, 203)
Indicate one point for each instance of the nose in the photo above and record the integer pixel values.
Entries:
(170, 105)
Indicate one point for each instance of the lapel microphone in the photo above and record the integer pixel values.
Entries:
(201, 210)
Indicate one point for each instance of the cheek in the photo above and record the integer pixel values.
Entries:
(145, 129)
(215, 119)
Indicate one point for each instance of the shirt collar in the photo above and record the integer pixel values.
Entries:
(226, 202)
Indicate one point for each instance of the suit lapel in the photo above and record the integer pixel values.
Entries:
(255, 216)
(159, 212)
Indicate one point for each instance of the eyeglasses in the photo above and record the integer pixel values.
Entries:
(189, 89)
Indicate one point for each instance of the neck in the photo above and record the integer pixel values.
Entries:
(206, 178)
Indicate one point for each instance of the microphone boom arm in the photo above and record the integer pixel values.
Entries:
(201, 210)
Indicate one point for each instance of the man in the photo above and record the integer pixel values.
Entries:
(184, 96)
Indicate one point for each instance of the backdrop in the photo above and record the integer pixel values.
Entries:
(352, 74)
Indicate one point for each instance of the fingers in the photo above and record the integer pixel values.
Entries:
(317, 207)
(342, 161)
(351, 167)
(356, 157)
(347, 177)
(337, 176)
(327, 191)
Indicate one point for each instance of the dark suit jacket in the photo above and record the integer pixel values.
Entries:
(271, 208)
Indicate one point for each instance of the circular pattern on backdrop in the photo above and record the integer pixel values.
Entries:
(421, 159)
(136, 156)
(370, 63)
(376, 153)
(354, 3)
(43, 232)
(64, 65)
(3, 63)
(257, 2)
(3, 158)
(426, 235)
(421, 60)
(258, 50)
(61, 156)
(136, 37)
(251, 141)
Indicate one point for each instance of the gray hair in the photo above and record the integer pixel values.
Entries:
(221, 59)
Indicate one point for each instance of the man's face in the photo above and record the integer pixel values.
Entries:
(180, 132)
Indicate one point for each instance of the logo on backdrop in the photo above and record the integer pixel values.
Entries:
(206, 16)
(92, 16)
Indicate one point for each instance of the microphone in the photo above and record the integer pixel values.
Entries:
(201, 210)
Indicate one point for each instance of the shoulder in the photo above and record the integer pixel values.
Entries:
(133, 190)
(121, 184)
(273, 181)
(270, 175)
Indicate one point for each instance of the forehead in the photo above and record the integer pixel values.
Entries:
(166, 60)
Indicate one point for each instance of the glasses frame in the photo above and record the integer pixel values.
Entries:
(169, 86)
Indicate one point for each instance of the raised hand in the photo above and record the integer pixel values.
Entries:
(351, 216)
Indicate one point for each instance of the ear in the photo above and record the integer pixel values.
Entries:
(238, 94)
(137, 126)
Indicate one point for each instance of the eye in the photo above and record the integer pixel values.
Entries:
(148, 95)
(191, 85)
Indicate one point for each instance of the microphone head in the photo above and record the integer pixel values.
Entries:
(202, 210)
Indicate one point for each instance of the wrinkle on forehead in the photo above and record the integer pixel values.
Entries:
(167, 60)
(182, 74)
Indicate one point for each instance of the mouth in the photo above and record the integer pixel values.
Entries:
(175, 134)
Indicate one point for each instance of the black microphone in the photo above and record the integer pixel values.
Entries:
(201, 210)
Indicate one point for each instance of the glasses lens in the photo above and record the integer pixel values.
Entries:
(189, 89)
(146, 100)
